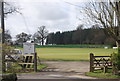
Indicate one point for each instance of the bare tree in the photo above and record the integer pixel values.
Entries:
(41, 34)
(10, 8)
(6, 8)
(106, 14)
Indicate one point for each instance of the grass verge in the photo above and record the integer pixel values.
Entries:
(42, 66)
(39, 67)
(102, 75)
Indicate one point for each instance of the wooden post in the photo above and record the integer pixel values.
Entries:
(3, 32)
(35, 62)
(2, 21)
(91, 62)
(105, 69)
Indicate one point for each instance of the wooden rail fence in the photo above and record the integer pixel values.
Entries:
(100, 63)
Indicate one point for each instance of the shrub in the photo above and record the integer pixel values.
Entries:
(116, 63)
(9, 77)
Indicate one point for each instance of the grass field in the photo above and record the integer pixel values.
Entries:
(69, 46)
(72, 46)
(71, 54)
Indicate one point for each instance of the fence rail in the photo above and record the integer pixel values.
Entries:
(100, 62)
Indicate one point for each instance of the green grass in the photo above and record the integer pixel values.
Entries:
(39, 67)
(42, 66)
(71, 54)
(102, 75)
(72, 46)
(68, 46)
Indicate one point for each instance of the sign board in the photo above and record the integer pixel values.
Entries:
(29, 48)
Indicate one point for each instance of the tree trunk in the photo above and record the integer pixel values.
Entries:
(42, 42)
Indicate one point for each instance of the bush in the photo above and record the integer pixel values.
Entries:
(7, 58)
(116, 62)
(9, 77)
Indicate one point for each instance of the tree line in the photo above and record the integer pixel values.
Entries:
(94, 35)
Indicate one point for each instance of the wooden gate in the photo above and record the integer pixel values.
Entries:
(29, 60)
(100, 62)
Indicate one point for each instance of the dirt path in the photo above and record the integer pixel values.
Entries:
(68, 66)
(60, 70)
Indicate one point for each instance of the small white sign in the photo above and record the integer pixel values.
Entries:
(29, 48)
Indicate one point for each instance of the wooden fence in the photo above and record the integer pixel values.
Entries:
(100, 63)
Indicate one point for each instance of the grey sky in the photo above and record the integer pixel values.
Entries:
(56, 16)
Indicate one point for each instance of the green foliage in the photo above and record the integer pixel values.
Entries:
(22, 37)
(116, 62)
(6, 49)
(9, 77)
(39, 67)
(11, 62)
(80, 36)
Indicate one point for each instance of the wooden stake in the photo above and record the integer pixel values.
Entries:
(35, 62)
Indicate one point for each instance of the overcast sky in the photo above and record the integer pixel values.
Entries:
(57, 15)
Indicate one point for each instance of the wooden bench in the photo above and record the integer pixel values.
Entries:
(100, 63)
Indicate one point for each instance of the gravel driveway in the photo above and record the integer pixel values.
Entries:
(60, 70)
(68, 66)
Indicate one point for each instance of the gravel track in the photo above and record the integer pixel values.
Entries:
(60, 70)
